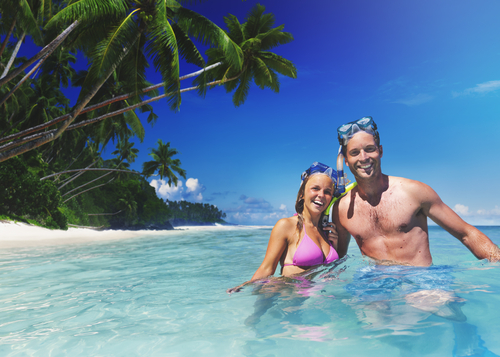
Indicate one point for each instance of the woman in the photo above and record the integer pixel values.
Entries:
(300, 242)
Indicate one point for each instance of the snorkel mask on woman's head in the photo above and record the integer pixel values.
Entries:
(319, 168)
(347, 131)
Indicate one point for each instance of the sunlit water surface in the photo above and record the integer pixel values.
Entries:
(165, 296)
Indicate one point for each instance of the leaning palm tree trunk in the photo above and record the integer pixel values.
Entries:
(100, 169)
(102, 117)
(74, 177)
(51, 136)
(104, 214)
(85, 184)
(4, 44)
(88, 190)
(49, 48)
(13, 56)
(97, 106)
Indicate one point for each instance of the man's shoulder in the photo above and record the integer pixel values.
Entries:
(411, 187)
(405, 183)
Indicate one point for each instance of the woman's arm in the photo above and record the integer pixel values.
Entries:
(278, 242)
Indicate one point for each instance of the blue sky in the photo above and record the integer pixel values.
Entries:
(427, 71)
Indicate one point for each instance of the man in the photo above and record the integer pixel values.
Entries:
(386, 215)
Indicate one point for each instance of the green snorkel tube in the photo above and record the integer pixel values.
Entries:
(340, 187)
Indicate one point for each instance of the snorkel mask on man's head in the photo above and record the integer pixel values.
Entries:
(345, 133)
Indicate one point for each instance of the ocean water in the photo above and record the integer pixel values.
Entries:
(165, 296)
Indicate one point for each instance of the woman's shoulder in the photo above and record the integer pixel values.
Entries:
(286, 224)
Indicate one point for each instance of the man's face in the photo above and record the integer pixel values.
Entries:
(363, 156)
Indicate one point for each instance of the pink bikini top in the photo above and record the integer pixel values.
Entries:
(309, 254)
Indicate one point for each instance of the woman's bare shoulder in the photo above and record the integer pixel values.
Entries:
(286, 224)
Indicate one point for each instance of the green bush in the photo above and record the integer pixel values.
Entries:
(23, 194)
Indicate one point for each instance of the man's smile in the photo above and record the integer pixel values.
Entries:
(365, 166)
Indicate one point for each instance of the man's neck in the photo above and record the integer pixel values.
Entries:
(371, 189)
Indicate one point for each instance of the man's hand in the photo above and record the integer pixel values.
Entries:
(494, 255)
(331, 232)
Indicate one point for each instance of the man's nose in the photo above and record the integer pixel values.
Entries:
(362, 155)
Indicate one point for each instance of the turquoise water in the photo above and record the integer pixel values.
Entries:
(165, 296)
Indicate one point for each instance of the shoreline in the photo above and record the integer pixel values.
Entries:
(22, 235)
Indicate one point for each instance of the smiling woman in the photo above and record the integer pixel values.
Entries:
(300, 242)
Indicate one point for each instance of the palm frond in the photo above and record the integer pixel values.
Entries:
(241, 92)
(89, 12)
(163, 48)
(110, 51)
(28, 22)
(261, 74)
(258, 22)
(208, 33)
(187, 48)
(133, 69)
(235, 29)
(274, 37)
(135, 124)
(279, 64)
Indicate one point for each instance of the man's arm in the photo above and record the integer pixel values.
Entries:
(477, 242)
(344, 237)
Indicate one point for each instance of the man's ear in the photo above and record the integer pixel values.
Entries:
(381, 150)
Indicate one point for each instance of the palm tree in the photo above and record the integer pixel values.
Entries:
(163, 163)
(117, 33)
(125, 151)
(255, 37)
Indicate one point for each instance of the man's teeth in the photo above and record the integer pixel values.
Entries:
(365, 166)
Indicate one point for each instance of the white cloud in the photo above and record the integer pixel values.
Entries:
(480, 88)
(192, 191)
(461, 209)
(415, 100)
(255, 211)
(166, 191)
(479, 217)
(192, 185)
(494, 212)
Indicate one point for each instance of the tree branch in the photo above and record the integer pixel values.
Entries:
(49, 48)
(100, 169)
(99, 105)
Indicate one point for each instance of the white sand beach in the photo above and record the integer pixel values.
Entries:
(17, 234)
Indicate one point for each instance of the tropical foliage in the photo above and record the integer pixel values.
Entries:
(51, 161)
(188, 212)
(255, 37)
(164, 164)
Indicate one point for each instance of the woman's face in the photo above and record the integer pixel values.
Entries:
(318, 193)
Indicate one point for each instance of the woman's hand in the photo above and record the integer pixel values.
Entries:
(236, 288)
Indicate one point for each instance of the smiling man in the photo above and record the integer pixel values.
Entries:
(387, 215)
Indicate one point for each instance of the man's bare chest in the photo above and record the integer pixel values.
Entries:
(391, 216)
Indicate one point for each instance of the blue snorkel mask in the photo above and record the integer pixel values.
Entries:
(319, 168)
(345, 133)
